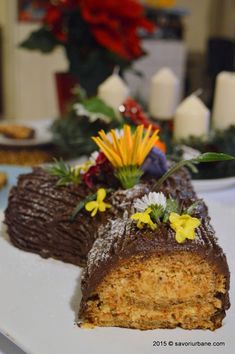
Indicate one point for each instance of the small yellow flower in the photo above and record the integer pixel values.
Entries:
(144, 218)
(81, 169)
(184, 226)
(98, 204)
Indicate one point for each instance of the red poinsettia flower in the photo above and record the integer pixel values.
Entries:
(56, 17)
(114, 25)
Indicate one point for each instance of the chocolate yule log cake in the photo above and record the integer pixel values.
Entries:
(153, 260)
(38, 213)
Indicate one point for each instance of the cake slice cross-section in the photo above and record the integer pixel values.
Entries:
(144, 279)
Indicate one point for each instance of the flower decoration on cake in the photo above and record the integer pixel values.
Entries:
(128, 152)
(81, 169)
(184, 226)
(155, 164)
(153, 202)
(100, 167)
(64, 173)
(154, 208)
(98, 205)
(144, 218)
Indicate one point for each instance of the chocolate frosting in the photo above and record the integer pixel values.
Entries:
(38, 213)
(38, 218)
(120, 239)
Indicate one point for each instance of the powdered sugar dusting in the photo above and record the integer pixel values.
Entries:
(108, 239)
(123, 199)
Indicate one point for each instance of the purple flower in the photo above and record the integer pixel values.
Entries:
(155, 164)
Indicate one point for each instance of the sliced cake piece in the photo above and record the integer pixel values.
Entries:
(144, 279)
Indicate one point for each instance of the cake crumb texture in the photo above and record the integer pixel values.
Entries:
(162, 291)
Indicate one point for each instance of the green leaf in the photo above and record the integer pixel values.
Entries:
(157, 212)
(128, 176)
(172, 206)
(212, 157)
(192, 167)
(42, 40)
(206, 157)
(81, 205)
(96, 105)
(83, 202)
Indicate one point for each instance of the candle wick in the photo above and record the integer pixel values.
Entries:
(198, 92)
(116, 70)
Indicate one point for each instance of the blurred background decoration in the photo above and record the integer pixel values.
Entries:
(78, 66)
(194, 38)
(95, 35)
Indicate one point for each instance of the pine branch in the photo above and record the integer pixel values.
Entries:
(65, 173)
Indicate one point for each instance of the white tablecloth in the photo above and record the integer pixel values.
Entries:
(225, 197)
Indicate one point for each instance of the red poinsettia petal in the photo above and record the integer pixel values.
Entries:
(112, 40)
(99, 19)
(132, 42)
(52, 16)
(113, 23)
(147, 25)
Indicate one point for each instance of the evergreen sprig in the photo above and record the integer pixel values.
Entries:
(81, 205)
(65, 173)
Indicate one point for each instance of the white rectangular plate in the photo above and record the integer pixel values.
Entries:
(39, 300)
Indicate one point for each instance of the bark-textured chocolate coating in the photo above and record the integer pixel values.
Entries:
(38, 218)
(120, 239)
(38, 213)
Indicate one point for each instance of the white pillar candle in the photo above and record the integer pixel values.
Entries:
(191, 118)
(164, 94)
(223, 114)
(113, 91)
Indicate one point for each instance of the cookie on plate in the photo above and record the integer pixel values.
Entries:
(15, 131)
(3, 179)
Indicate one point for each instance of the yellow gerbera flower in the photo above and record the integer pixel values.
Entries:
(184, 226)
(98, 204)
(128, 149)
(144, 218)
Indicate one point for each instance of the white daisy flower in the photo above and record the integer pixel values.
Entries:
(83, 168)
(153, 198)
(93, 157)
